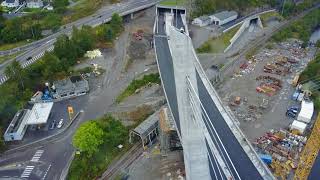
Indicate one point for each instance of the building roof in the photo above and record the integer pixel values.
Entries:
(70, 84)
(17, 120)
(10, 1)
(148, 125)
(40, 113)
(204, 18)
(225, 14)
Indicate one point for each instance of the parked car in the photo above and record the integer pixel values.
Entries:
(291, 114)
(60, 124)
(53, 124)
(29, 58)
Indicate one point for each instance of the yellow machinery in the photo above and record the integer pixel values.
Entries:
(309, 153)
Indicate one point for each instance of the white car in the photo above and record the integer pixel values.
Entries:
(60, 124)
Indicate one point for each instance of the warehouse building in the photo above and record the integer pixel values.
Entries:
(223, 17)
(71, 87)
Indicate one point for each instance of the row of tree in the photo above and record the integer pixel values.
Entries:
(301, 29)
(54, 65)
(202, 7)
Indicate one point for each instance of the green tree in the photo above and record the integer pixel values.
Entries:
(16, 73)
(2, 145)
(60, 3)
(52, 65)
(65, 50)
(88, 137)
(51, 21)
(84, 39)
(12, 32)
(116, 23)
(109, 35)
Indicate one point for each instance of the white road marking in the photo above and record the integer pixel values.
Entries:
(37, 155)
(27, 171)
(45, 174)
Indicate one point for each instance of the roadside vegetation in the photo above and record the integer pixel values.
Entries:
(15, 32)
(137, 84)
(301, 29)
(218, 44)
(202, 7)
(312, 72)
(7, 57)
(97, 142)
(52, 66)
(173, 2)
(270, 15)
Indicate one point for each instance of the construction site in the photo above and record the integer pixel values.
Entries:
(275, 112)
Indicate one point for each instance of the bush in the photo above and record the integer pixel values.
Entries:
(204, 48)
(138, 83)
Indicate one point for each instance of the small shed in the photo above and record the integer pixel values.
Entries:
(306, 111)
(147, 130)
(223, 17)
(299, 126)
(202, 21)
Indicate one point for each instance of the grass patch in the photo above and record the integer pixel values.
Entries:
(138, 83)
(267, 16)
(173, 2)
(218, 44)
(8, 46)
(7, 57)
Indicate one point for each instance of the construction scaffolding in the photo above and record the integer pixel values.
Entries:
(309, 153)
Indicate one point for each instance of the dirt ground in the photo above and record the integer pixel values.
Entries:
(152, 165)
(259, 112)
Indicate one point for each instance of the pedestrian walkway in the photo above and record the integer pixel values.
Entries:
(27, 171)
(37, 156)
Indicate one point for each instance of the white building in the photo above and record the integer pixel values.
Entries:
(202, 21)
(38, 115)
(10, 3)
(18, 126)
(34, 3)
(223, 17)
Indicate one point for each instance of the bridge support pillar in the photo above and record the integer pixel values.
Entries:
(131, 16)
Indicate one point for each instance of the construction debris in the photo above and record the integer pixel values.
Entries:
(284, 147)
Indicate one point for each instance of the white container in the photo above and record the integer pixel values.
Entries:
(297, 125)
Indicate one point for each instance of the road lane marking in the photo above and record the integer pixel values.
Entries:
(45, 174)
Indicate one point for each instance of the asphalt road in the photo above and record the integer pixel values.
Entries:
(165, 64)
(102, 16)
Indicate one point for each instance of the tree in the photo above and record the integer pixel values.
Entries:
(52, 65)
(12, 32)
(15, 72)
(88, 137)
(2, 145)
(65, 50)
(116, 23)
(84, 39)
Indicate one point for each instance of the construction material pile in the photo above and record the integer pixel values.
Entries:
(269, 85)
(280, 66)
(138, 35)
(284, 148)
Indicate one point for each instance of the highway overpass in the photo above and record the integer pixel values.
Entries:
(214, 146)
